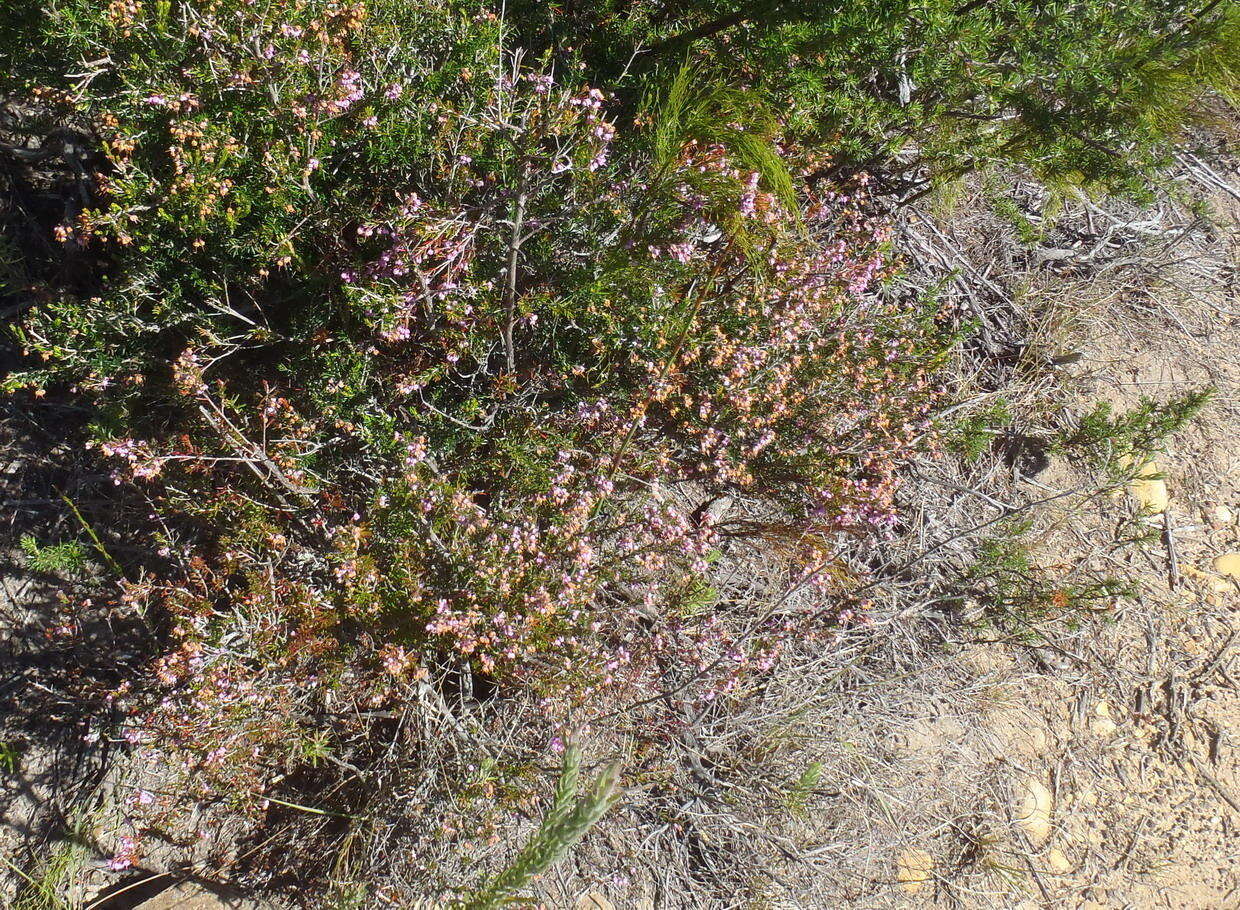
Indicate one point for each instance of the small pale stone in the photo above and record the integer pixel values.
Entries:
(188, 896)
(1033, 812)
(1149, 491)
(1102, 723)
(1228, 564)
(914, 868)
(593, 900)
(1058, 862)
(1215, 584)
(1221, 515)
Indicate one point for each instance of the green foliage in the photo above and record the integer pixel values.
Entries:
(698, 107)
(974, 434)
(382, 278)
(46, 884)
(1123, 442)
(803, 787)
(67, 558)
(313, 748)
(570, 817)
(1017, 594)
(1082, 93)
(10, 757)
(1029, 231)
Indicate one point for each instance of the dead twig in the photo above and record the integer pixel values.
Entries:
(1219, 787)
(1173, 562)
(510, 282)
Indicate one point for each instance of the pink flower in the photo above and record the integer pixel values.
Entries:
(127, 854)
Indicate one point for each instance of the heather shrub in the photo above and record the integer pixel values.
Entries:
(238, 146)
(438, 368)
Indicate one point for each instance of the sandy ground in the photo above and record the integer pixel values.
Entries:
(1114, 740)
